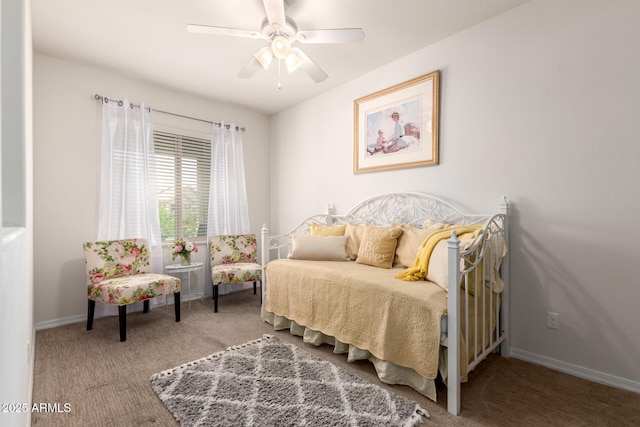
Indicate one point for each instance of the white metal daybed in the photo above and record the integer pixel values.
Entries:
(300, 294)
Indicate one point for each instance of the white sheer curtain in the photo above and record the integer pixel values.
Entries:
(128, 206)
(228, 207)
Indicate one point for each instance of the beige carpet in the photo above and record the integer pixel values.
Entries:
(107, 383)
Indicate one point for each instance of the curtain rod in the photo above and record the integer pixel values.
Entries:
(120, 103)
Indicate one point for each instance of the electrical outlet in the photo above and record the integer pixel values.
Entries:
(553, 321)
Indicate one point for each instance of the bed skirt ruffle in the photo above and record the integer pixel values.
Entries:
(387, 372)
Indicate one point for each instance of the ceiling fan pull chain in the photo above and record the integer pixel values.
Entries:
(279, 64)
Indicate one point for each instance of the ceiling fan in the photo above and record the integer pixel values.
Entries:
(280, 31)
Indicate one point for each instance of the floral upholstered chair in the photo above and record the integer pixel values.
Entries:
(233, 261)
(118, 273)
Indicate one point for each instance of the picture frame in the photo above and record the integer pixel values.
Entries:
(398, 127)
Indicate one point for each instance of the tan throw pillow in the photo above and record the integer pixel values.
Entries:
(378, 246)
(319, 248)
(316, 229)
(409, 243)
(355, 232)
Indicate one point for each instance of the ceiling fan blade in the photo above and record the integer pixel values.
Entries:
(338, 35)
(275, 12)
(250, 69)
(223, 31)
(310, 67)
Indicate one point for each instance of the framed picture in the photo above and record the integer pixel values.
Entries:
(397, 128)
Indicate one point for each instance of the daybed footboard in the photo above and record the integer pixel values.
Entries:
(485, 263)
(478, 315)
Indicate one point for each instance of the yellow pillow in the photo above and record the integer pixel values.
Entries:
(378, 246)
(355, 233)
(316, 229)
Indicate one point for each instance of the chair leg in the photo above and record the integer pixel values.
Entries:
(254, 287)
(122, 314)
(176, 303)
(92, 310)
(145, 306)
(215, 298)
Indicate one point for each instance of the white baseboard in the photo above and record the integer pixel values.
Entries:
(80, 318)
(155, 302)
(578, 371)
(61, 322)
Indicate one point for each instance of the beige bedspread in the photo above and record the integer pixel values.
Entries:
(365, 306)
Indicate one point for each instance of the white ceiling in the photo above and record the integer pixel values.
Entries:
(146, 39)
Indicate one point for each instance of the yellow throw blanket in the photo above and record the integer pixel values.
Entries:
(420, 267)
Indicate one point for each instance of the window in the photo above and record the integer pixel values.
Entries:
(183, 167)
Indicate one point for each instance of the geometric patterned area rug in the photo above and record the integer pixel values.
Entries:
(269, 382)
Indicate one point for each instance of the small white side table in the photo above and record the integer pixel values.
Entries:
(185, 268)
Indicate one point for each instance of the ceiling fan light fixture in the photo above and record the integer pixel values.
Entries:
(264, 57)
(280, 46)
(293, 62)
(280, 32)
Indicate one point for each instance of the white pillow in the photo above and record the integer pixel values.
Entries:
(438, 271)
(319, 248)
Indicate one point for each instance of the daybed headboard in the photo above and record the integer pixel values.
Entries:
(406, 208)
(384, 209)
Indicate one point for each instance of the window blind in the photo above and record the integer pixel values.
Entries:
(183, 168)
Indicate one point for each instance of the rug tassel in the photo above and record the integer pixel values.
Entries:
(209, 357)
(418, 416)
(247, 344)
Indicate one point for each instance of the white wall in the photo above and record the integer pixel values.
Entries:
(16, 259)
(539, 104)
(66, 135)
